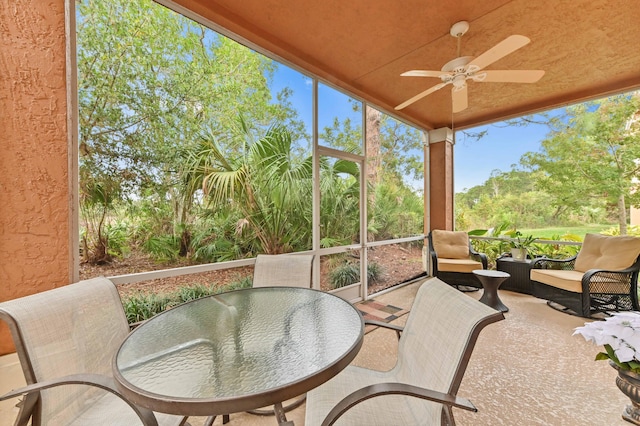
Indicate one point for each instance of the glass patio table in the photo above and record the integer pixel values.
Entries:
(238, 351)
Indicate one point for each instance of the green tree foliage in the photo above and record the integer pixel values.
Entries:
(150, 81)
(261, 179)
(506, 197)
(395, 209)
(593, 158)
(160, 143)
(339, 202)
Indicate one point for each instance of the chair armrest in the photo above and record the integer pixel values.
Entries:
(621, 275)
(479, 257)
(103, 382)
(136, 324)
(547, 263)
(433, 255)
(381, 389)
(398, 329)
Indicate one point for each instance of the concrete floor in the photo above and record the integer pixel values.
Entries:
(525, 370)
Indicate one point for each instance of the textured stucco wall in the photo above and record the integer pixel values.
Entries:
(34, 188)
(441, 184)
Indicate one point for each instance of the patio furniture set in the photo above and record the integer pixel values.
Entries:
(248, 349)
(602, 277)
(237, 351)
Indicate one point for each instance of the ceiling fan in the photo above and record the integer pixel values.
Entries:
(457, 71)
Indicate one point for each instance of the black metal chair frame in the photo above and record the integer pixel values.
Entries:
(598, 293)
(457, 279)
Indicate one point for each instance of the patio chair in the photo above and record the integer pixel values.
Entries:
(602, 277)
(66, 339)
(453, 259)
(433, 352)
(283, 270)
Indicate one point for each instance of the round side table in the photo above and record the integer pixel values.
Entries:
(491, 281)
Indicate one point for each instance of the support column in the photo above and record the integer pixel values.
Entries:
(441, 178)
(35, 193)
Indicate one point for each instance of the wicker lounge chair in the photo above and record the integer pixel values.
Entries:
(602, 277)
(66, 339)
(433, 353)
(453, 259)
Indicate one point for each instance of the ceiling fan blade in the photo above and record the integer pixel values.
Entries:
(512, 76)
(459, 98)
(499, 51)
(422, 73)
(421, 95)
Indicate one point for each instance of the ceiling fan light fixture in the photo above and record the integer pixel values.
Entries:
(458, 82)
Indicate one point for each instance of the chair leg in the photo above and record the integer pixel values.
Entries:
(466, 288)
(209, 421)
(288, 407)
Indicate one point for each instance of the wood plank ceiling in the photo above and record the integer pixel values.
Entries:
(588, 48)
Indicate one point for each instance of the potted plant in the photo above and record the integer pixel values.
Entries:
(620, 336)
(520, 245)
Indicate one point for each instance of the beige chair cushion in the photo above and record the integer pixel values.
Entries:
(451, 244)
(572, 280)
(607, 252)
(566, 280)
(458, 265)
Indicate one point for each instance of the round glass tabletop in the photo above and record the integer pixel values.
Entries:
(238, 351)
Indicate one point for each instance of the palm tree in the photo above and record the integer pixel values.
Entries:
(262, 179)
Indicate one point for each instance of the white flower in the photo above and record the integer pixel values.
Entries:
(634, 341)
(625, 353)
(620, 331)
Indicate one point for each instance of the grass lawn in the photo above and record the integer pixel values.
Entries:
(548, 233)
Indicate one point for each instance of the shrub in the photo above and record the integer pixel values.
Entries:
(349, 273)
(344, 275)
(163, 248)
(243, 282)
(188, 293)
(374, 271)
(143, 306)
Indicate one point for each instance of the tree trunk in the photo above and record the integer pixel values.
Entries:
(372, 156)
(622, 215)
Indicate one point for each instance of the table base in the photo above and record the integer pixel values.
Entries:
(492, 299)
(491, 281)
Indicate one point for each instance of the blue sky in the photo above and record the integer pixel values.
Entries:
(474, 160)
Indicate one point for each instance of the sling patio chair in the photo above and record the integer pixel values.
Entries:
(282, 270)
(602, 277)
(453, 259)
(66, 339)
(433, 352)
